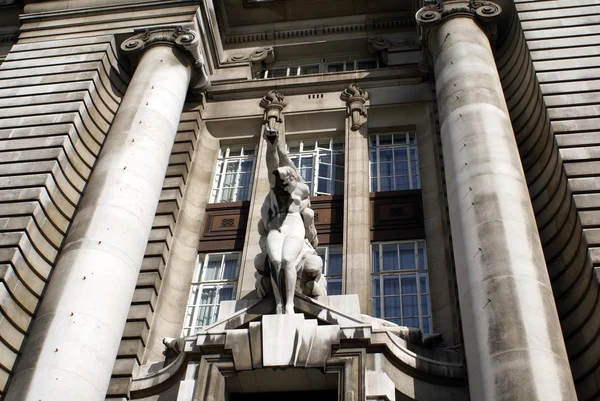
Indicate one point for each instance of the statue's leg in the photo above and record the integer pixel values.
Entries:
(274, 246)
(291, 250)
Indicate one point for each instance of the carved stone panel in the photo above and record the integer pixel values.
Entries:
(329, 218)
(396, 215)
(224, 227)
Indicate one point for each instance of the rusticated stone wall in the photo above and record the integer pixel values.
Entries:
(57, 101)
(547, 69)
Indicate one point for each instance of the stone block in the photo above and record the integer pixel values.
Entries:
(280, 334)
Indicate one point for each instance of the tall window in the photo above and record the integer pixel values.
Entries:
(401, 284)
(320, 162)
(215, 279)
(394, 162)
(332, 268)
(233, 177)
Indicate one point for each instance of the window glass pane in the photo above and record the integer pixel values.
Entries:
(411, 322)
(386, 184)
(230, 268)
(409, 284)
(375, 307)
(306, 162)
(279, 72)
(189, 314)
(309, 145)
(334, 287)
(409, 306)
(390, 286)
(226, 294)
(323, 186)
(208, 296)
(390, 257)
(402, 183)
(427, 325)
(375, 259)
(309, 69)
(421, 256)
(424, 304)
(335, 67)
(385, 155)
(335, 264)
(391, 307)
(212, 268)
(375, 290)
(324, 170)
(373, 187)
(385, 139)
(423, 283)
(386, 169)
(407, 257)
(204, 316)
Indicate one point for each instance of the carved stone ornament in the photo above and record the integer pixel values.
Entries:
(288, 262)
(266, 54)
(436, 11)
(186, 40)
(378, 44)
(273, 103)
(355, 99)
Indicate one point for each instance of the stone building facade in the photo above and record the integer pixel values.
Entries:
(451, 149)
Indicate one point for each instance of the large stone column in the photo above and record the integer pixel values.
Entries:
(513, 341)
(357, 232)
(73, 343)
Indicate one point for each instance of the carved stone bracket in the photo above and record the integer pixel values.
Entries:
(266, 54)
(436, 12)
(355, 99)
(392, 51)
(273, 103)
(186, 40)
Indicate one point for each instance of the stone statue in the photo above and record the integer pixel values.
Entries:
(288, 261)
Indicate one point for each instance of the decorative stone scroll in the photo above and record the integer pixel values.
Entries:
(266, 54)
(436, 11)
(355, 99)
(186, 40)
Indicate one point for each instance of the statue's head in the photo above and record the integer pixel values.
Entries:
(289, 177)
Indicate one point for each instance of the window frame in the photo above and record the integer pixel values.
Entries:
(324, 252)
(223, 160)
(409, 145)
(377, 301)
(295, 69)
(315, 154)
(200, 283)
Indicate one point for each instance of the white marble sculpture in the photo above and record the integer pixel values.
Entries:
(288, 261)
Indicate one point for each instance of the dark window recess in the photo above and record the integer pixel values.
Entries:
(329, 218)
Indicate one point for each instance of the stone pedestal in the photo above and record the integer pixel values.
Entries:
(75, 337)
(512, 335)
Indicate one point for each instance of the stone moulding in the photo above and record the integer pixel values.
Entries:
(320, 336)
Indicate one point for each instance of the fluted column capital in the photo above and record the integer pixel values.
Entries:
(185, 40)
(436, 12)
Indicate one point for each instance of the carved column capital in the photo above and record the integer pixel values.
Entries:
(185, 40)
(273, 103)
(356, 99)
(437, 11)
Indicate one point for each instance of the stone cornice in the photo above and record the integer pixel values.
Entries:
(317, 30)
